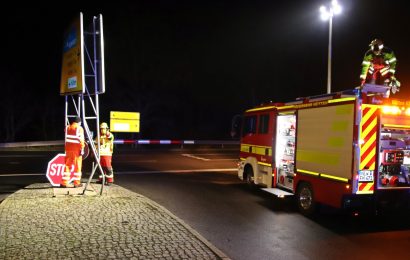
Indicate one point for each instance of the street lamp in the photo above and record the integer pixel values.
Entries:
(326, 13)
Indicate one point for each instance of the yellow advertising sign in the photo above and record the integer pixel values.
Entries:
(124, 122)
(72, 73)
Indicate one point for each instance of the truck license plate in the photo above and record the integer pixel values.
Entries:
(365, 175)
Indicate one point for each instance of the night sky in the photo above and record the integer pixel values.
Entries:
(189, 66)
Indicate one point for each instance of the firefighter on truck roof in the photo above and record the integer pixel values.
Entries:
(106, 150)
(379, 66)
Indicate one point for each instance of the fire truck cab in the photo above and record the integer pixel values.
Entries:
(348, 150)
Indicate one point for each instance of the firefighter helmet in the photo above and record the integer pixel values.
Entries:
(76, 119)
(103, 125)
(376, 45)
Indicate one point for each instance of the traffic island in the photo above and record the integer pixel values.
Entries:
(43, 222)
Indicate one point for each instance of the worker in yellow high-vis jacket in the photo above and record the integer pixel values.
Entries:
(106, 150)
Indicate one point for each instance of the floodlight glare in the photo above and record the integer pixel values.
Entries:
(337, 9)
(325, 16)
(322, 9)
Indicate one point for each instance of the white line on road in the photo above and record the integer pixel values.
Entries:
(216, 154)
(21, 155)
(138, 161)
(182, 171)
(195, 157)
(21, 174)
(137, 172)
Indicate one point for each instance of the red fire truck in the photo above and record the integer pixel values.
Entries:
(349, 149)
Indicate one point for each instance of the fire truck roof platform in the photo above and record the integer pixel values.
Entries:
(345, 95)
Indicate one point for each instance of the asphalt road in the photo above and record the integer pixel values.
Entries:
(200, 187)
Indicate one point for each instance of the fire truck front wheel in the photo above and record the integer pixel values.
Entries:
(305, 199)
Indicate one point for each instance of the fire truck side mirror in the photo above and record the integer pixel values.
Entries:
(236, 125)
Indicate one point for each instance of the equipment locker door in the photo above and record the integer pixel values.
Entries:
(394, 158)
(285, 150)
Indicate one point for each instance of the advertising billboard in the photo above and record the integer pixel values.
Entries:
(72, 73)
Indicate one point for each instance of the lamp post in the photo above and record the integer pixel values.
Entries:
(327, 13)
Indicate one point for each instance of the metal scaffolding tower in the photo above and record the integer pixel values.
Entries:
(86, 103)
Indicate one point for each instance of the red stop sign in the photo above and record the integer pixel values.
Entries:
(55, 170)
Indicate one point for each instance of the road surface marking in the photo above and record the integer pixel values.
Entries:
(181, 171)
(233, 154)
(21, 155)
(138, 161)
(21, 174)
(195, 157)
(136, 172)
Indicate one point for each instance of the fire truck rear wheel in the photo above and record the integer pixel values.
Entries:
(249, 176)
(305, 199)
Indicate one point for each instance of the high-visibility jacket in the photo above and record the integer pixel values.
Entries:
(74, 140)
(106, 144)
(387, 58)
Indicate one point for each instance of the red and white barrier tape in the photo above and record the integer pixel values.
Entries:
(125, 141)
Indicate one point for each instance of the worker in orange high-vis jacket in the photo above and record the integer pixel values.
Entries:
(74, 149)
(106, 150)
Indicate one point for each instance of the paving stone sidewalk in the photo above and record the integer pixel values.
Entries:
(41, 222)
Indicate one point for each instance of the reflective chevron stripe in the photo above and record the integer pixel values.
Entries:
(368, 138)
(365, 188)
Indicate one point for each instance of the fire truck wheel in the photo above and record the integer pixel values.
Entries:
(305, 199)
(249, 176)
